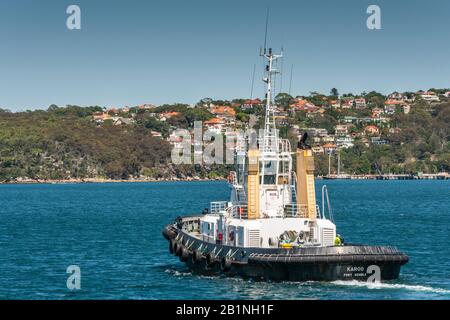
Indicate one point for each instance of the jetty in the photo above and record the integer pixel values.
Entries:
(389, 176)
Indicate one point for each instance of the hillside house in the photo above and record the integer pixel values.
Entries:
(345, 142)
(329, 148)
(176, 139)
(397, 96)
(347, 104)
(167, 115)
(118, 121)
(303, 105)
(429, 96)
(390, 109)
(100, 116)
(377, 112)
(317, 149)
(371, 130)
(216, 125)
(378, 141)
(336, 104)
(360, 103)
(342, 129)
(250, 103)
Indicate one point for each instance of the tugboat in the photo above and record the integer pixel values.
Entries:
(272, 227)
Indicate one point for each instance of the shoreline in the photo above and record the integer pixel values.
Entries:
(194, 179)
(100, 180)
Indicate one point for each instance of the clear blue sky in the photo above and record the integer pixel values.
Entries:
(133, 52)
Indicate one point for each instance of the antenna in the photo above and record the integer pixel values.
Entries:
(253, 81)
(265, 33)
(290, 81)
(281, 69)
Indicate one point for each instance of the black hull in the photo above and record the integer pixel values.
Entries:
(348, 262)
(299, 271)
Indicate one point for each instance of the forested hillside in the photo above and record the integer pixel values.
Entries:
(418, 142)
(64, 143)
(69, 143)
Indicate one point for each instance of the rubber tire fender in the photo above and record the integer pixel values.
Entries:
(177, 248)
(184, 254)
(196, 257)
(225, 264)
(210, 258)
(171, 245)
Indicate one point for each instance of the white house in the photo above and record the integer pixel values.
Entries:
(344, 142)
(429, 96)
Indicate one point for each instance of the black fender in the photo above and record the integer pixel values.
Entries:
(225, 264)
(210, 258)
(171, 246)
(184, 254)
(196, 257)
(177, 248)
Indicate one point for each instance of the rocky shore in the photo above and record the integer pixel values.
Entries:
(102, 180)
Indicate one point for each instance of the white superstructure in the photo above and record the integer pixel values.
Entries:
(271, 205)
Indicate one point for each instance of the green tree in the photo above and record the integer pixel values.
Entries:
(334, 93)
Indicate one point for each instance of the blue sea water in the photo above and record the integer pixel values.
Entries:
(113, 233)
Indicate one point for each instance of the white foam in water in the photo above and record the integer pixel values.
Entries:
(178, 273)
(381, 285)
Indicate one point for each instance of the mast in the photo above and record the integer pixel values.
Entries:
(270, 135)
(339, 163)
(329, 164)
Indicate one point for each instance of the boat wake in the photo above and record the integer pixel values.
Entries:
(378, 286)
(178, 273)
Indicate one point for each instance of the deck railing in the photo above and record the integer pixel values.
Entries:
(294, 210)
(279, 145)
(240, 211)
(217, 206)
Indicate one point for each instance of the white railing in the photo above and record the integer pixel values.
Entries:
(295, 211)
(326, 199)
(272, 144)
(217, 206)
(238, 211)
(285, 145)
(299, 211)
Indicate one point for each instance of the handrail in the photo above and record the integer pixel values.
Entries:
(291, 210)
(238, 211)
(217, 206)
(326, 198)
(281, 145)
(294, 210)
